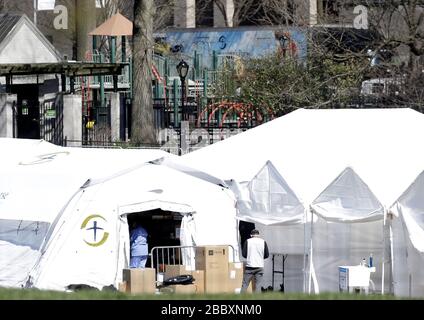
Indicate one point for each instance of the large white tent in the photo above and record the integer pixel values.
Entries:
(407, 235)
(51, 195)
(350, 225)
(268, 200)
(373, 153)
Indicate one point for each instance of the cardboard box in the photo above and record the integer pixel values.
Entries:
(216, 281)
(177, 270)
(140, 280)
(235, 278)
(214, 261)
(211, 257)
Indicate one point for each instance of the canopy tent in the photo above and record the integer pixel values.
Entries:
(349, 228)
(309, 148)
(268, 200)
(312, 147)
(408, 240)
(50, 200)
(146, 188)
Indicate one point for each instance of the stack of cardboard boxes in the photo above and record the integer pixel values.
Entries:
(138, 281)
(214, 261)
(213, 274)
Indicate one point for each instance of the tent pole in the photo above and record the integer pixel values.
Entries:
(305, 212)
(391, 288)
(384, 251)
(310, 252)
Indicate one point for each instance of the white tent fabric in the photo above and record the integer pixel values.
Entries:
(269, 200)
(348, 199)
(339, 244)
(66, 254)
(408, 239)
(350, 228)
(177, 165)
(37, 179)
(282, 221)
(188, 237)
(46, 176)
(311, 147)
(52, 196)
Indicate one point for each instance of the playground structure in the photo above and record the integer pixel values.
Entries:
(234, 114)
(208, 69)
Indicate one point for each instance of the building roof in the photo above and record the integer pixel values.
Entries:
(11, 36)
(117, 25)
(7, 23)
(66, 68)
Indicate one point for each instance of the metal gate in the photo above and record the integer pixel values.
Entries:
(96, 130)
(51, 119)
(173, 255)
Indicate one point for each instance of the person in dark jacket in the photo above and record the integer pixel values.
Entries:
(255, 250)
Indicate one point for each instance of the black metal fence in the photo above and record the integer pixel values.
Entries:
(166, 114)
(96, 124)
(51, 120)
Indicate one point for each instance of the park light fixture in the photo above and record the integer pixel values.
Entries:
(182, 69)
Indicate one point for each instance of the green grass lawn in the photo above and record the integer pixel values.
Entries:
(33, 294)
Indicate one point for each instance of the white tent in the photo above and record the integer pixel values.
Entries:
(50, 201)
(310, 148)
(268, 200)
(349, 228)
(408, 240)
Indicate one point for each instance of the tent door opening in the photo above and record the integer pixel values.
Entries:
(244, 229)
(163, 229)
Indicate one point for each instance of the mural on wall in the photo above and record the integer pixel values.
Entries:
(245, 43)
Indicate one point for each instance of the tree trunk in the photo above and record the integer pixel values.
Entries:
(85, 10)
(142, 126)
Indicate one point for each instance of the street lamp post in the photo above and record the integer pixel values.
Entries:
(182, 69)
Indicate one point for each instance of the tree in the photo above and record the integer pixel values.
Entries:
(233, 12)
(280, 85)
(142, 126)
(243, 10)
(342, 56)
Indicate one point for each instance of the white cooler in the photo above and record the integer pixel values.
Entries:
(353, 278)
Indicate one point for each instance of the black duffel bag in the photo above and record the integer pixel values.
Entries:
(182, 279)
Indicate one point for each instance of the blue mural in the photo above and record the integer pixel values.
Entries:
(247, 43)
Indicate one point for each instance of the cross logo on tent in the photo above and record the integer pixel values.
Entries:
(92, 224)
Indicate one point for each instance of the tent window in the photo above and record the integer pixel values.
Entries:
(23, 233)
